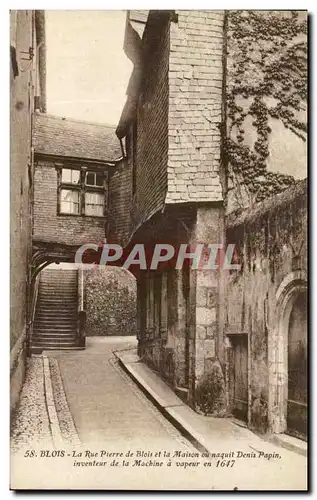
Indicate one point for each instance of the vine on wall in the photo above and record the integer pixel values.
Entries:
(267, 78)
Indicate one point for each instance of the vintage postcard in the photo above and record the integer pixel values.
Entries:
(158, 250)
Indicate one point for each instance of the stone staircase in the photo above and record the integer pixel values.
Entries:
(55, 321)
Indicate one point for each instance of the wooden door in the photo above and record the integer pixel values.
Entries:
(239, 376)
(297, 368)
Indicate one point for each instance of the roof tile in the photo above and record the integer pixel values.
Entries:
(54, 135)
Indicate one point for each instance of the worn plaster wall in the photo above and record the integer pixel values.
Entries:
(271, 243)
(20, 157)
(21, 107)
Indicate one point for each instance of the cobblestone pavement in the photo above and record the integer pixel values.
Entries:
(30, 423)
(97, 402)
(106, 405)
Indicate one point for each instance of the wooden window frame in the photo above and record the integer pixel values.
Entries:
(82, 188)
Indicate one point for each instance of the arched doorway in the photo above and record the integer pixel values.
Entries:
(288, 357)
(297, 367)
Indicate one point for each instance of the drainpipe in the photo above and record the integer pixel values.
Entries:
(122, 148)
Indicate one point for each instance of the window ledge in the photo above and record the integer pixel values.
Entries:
(66, 214)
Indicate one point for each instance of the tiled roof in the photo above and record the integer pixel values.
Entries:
(138, 15)
(54, 135)
(138, 20)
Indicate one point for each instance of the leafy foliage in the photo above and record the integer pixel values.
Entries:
(209, 394)
(110, 301)
(269, 75)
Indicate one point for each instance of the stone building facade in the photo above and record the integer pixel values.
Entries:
(27, 92)
(214, 331)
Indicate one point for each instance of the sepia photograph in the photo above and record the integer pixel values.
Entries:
(158, 250)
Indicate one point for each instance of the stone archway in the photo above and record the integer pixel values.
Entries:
(291, 288)
(297, 367)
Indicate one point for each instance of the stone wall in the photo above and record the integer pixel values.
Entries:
(271, 246)
(209, 229)
(51, 227)
(110, 301)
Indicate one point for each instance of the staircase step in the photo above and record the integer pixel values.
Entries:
(55, 340)
(60, 307)
(52, 273)
(50, 341)
(56, 313)
(55, 335)
(61, 329)
(55, 317)
(63, 306)
(57, 296)
(55, 322)
(53, 345)
(50, 299)
(69, 283)
(50, 338)
(54, 281)
(40, 349)
(57, 287)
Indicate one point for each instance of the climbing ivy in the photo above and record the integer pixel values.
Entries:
(266, 79)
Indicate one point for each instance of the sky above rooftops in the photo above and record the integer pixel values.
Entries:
(87, 70)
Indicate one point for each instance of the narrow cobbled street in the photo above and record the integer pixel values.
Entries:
(110, 434)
